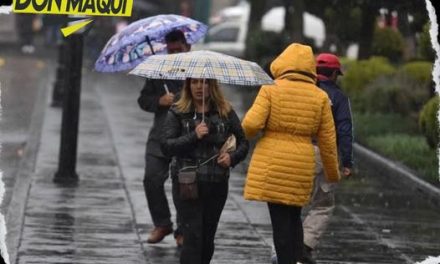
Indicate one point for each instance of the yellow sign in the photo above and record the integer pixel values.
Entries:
(75, 7)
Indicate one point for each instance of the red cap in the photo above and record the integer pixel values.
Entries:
(328, 60)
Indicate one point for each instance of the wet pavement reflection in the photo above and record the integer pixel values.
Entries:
(16, 107)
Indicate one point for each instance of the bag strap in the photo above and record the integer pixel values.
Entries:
(208, 160)
(200, 165)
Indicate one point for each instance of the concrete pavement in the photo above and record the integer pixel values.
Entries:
(105, 218)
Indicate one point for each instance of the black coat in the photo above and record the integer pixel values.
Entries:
(179, 140)
(149, 101)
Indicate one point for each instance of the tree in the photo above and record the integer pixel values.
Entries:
(349, 21)
(293, 21)
(370, 10)
(257, 9)
(342, 19)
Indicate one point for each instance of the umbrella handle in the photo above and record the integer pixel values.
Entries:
(149, 44)
(165, 86)
(203, 97)
(203, 94)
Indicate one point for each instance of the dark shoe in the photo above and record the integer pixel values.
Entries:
(159, 233)
(179, 240)
(307, 256)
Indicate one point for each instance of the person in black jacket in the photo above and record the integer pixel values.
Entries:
(322, 203)
(156, 97)
(195, 130)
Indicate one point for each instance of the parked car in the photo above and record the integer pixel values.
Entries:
(228, 34)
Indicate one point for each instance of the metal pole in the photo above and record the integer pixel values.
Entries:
(61, 72)
(70, 119)
(60, 80)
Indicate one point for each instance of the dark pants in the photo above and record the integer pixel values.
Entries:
(287, 232)
(200, 219)
(156, 173)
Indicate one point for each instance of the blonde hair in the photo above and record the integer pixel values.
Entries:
(185, 103)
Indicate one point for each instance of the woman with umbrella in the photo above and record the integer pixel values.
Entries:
(125, 50)
(199, 133)
(195, 130)
(291, 113)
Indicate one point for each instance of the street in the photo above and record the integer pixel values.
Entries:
(105, 218)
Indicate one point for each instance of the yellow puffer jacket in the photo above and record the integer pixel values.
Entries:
(290, 113)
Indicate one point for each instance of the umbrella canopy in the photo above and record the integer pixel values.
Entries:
(126, 49)
(203, 65)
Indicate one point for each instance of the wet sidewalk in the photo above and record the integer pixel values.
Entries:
(105, 218)
(90, 223)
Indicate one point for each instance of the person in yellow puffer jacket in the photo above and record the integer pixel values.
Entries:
(291, 114)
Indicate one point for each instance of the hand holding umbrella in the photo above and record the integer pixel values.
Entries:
(167, 99)
(202, 130)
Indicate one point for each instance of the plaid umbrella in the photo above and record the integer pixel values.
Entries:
(203, 65)
(142, 38)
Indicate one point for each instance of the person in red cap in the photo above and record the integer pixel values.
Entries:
(322, 203)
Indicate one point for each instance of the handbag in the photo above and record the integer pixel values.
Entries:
(187, 178)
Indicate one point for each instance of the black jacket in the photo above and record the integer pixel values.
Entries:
(342, 118)
(149, 101)
(180, 140)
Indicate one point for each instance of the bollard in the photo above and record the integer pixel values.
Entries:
(71, 104)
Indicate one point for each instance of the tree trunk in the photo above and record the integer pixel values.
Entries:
(293, 21)
(257, 8)
(369, 15)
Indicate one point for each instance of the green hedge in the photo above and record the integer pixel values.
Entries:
(388, 43)
(358, 74)
(419, 70)
(425, 49)
(397, 93)
(429, 123)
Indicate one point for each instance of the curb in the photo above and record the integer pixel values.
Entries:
(16, 209)
(373, 165)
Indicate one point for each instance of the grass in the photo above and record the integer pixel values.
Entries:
(412, 151)
(399, 139)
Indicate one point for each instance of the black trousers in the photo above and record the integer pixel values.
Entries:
(287, 232)
(156, 173)
(200, 219)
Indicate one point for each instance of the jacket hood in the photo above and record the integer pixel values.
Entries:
(297, 62)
